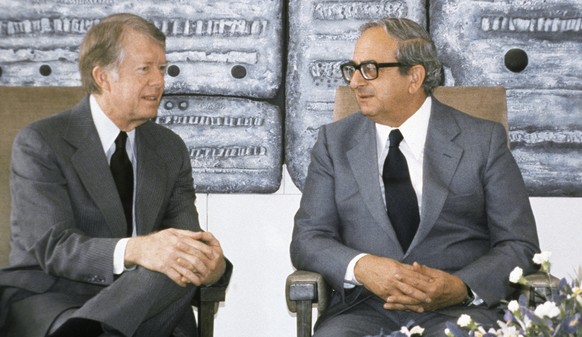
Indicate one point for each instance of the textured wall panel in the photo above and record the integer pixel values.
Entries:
(532, 48)
(322, 35)
(234, 143)
(213, 47)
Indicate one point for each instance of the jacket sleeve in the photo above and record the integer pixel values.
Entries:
(44, 231)
(316, 242)
(511, 225)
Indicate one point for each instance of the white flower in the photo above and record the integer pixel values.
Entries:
(513, 306)
(548, 309)
(492, 331)
(448, 332)
(516, 275)
(542, 257)
(480, 332)
(464, 320)
(507, 330)
(576, 293)
(510, 331)
(416, 330)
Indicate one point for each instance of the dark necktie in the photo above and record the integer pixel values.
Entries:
(122, 172)
(401, 201)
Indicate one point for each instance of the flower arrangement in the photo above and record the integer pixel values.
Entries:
(559, 316)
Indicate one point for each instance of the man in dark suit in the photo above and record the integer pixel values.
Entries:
(93, 254)
(431, 232)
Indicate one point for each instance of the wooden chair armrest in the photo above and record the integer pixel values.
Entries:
(540, 289)
(207, 300)
(302, 290)
(305, 285)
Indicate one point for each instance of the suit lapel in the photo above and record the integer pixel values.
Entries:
(151, 180)
(90, 162)
(441, 158)
(363, 159)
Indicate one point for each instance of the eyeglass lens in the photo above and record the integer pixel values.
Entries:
(369, 71)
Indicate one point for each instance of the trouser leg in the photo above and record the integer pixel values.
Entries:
(179, 313)
(137, 297)
(33, 316)
(360, 321)
(134, 298)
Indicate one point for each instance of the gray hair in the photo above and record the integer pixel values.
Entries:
(415, 46)
(103, 44)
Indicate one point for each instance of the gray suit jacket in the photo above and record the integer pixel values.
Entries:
(476, 219)
(66, 213)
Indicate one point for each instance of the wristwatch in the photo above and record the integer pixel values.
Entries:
(470, 297)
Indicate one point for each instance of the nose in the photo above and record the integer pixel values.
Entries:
(157, 79)
(357, 80)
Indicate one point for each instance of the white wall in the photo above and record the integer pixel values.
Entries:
(255, 231)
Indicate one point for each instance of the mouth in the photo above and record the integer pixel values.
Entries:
(363, 96)
(151, 98)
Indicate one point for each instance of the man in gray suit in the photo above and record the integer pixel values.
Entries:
(468, 222)
(88, 259)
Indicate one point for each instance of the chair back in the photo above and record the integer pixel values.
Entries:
(18, 107)
(483, 102)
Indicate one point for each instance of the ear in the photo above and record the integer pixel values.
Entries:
(417, 74)
(102, 77)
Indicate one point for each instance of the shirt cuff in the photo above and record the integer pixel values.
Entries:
(350, 277)
(119, 256)
(476, 299)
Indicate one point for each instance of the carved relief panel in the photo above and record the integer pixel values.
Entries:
(214, 48)
(234, 143)
(533, 49)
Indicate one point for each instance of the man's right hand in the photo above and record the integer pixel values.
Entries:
(386, 278)
(184, 256)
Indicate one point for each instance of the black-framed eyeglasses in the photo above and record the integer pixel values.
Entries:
(368, 69)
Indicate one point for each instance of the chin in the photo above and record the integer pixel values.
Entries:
(368, 112)
(153, 115)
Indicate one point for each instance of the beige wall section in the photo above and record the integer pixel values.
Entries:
(18, 107)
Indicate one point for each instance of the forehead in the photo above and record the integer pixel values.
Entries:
(375, 45)
(139, 46)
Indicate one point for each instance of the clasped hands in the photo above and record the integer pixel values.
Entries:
(408, 287)
(184, 256)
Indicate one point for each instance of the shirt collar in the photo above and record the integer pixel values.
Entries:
(106, 129)
(414, 130)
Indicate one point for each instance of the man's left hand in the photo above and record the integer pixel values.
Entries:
(214, 263)
(443, 289)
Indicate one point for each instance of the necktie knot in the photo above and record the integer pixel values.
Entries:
(395, 138)
(121, 140)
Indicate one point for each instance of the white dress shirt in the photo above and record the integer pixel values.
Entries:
(108, 132)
